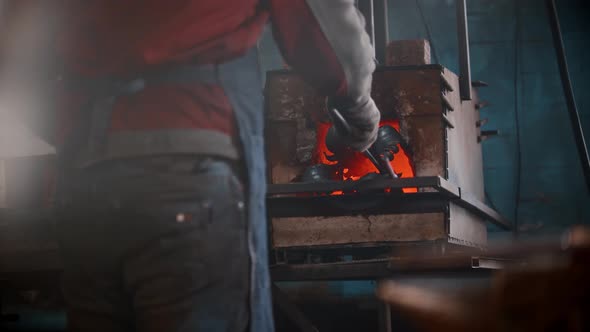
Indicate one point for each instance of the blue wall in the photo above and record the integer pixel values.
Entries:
(512, 50)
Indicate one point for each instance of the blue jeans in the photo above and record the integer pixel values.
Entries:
(156, 244)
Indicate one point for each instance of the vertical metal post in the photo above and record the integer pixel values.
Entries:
(464, 62)
(568, 90)
(384, 317)
(381, 30)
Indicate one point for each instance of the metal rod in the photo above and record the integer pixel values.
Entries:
(340, 122)
(384, 312)
(568, 90)
(381, 27)
(464, 61)
(388, 168)
(374, 161)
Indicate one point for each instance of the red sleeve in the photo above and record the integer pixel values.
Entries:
(325, 42)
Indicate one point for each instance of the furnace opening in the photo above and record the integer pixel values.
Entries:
(356, 165)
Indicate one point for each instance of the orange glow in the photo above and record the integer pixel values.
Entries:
(358, 165)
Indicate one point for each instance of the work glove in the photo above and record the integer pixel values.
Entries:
(363, 123)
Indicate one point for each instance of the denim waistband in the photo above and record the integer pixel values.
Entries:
(132, 179)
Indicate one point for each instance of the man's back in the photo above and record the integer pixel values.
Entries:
(124, 39)
(117, 37)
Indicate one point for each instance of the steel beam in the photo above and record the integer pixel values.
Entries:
(476, 206)
(382, 268)
(381, 26)
(332, 206)
(362, 185)
(464, 61)
(285, 200)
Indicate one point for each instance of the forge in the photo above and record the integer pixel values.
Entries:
(438, 197)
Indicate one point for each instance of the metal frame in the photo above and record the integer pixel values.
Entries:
(285, 200)
(388, 268)
(377, 24)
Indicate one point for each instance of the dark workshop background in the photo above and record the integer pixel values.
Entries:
(532, 170)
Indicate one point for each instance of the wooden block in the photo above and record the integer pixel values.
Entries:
(317, 231)
(545, 289)
(408, 53)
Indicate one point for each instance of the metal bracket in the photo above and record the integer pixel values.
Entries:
(485, 134)
(446, 103)
(448, 122)
(445, 83)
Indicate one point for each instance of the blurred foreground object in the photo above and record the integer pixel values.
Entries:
(549, 291)
(26, 166)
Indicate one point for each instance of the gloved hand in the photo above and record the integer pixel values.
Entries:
(363, 123)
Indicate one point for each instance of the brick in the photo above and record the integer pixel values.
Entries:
(408, 53)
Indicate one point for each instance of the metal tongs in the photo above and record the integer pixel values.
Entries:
(380, 162)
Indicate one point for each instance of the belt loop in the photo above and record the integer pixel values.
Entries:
(101, 112)
(100, 120)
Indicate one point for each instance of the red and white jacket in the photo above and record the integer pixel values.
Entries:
(323, 40)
